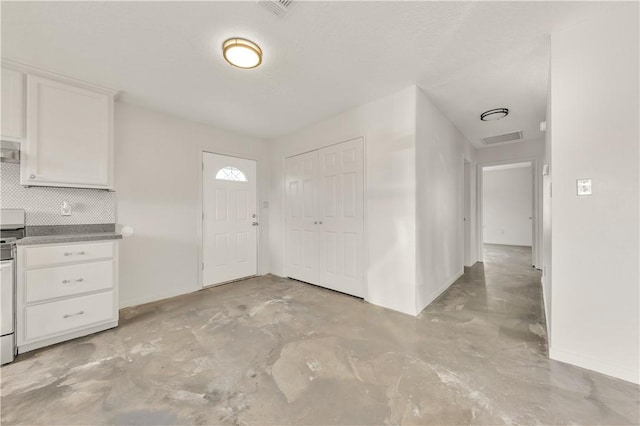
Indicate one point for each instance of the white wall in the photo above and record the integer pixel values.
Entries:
(595, 112)
(507, 202)
(440, 155)
(470, 236)
(157, 166)
(518, 152)
(546, 218)
(388, 127)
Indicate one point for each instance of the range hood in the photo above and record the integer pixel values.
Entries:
(9, 152)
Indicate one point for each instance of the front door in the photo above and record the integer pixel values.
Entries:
(229, 221)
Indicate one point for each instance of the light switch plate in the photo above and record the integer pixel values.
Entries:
(583, 186)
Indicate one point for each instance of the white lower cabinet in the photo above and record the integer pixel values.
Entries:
(68, 280)
(70, 314)
(62, 296)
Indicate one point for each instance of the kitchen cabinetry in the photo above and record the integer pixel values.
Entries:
(69, 135)
(13, 105)
(65, 291)
(65, 127)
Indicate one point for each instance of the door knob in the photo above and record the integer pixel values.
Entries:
(254, 224)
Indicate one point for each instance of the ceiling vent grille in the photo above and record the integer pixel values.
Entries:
(507, 137)
(277, 7)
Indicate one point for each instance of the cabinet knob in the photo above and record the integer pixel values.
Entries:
(32, 176)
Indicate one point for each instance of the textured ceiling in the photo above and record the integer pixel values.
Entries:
(516, 79)
(320, 59)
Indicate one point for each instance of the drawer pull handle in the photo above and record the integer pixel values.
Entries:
(79, 280)
(73, 315)
(69, 253)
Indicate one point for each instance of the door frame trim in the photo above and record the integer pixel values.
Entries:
(365, 229)
(536, 239)
(202, 150)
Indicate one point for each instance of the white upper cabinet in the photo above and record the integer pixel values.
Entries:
(13, 105)
(69, 134)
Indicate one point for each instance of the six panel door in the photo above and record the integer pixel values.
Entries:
(341, 212)
(324, 217)
(301, 246)
(229, 219)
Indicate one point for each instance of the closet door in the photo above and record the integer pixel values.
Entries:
(341, 217)
(301, 204)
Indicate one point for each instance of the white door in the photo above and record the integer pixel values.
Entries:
(229, 221)
(301, 222)
(341, 213)
(69, 135)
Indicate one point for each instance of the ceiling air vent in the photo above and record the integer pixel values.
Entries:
(277, 7)
(507, 137)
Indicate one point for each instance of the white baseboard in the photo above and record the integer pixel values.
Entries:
(152, 298)
(161, 296)
(594, 364)
(433, 296)
(547, 310)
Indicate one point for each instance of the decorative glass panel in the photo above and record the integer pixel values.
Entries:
(231, 173)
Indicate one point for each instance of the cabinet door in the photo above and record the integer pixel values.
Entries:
(341, 217)
(13, 105)
(301, 224)
(69, 135)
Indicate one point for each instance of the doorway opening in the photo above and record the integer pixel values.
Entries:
(507, 209)
(468, 254)
(229, 219)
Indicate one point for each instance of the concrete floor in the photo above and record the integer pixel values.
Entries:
(276, 351)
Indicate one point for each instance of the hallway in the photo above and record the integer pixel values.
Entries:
(274, 351)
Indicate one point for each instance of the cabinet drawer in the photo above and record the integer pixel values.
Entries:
(60, 281)
(68, 315)
(71, 253)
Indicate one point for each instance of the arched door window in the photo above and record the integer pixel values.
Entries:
(231, 173)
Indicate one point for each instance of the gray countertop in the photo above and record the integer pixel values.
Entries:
(68, 238)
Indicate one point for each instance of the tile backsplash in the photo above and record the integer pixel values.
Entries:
(42, 204)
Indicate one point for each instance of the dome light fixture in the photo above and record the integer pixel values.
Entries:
(494, 114)
(242, 53)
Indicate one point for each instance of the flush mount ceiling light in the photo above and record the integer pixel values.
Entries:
(242, 53)
(494, 114)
